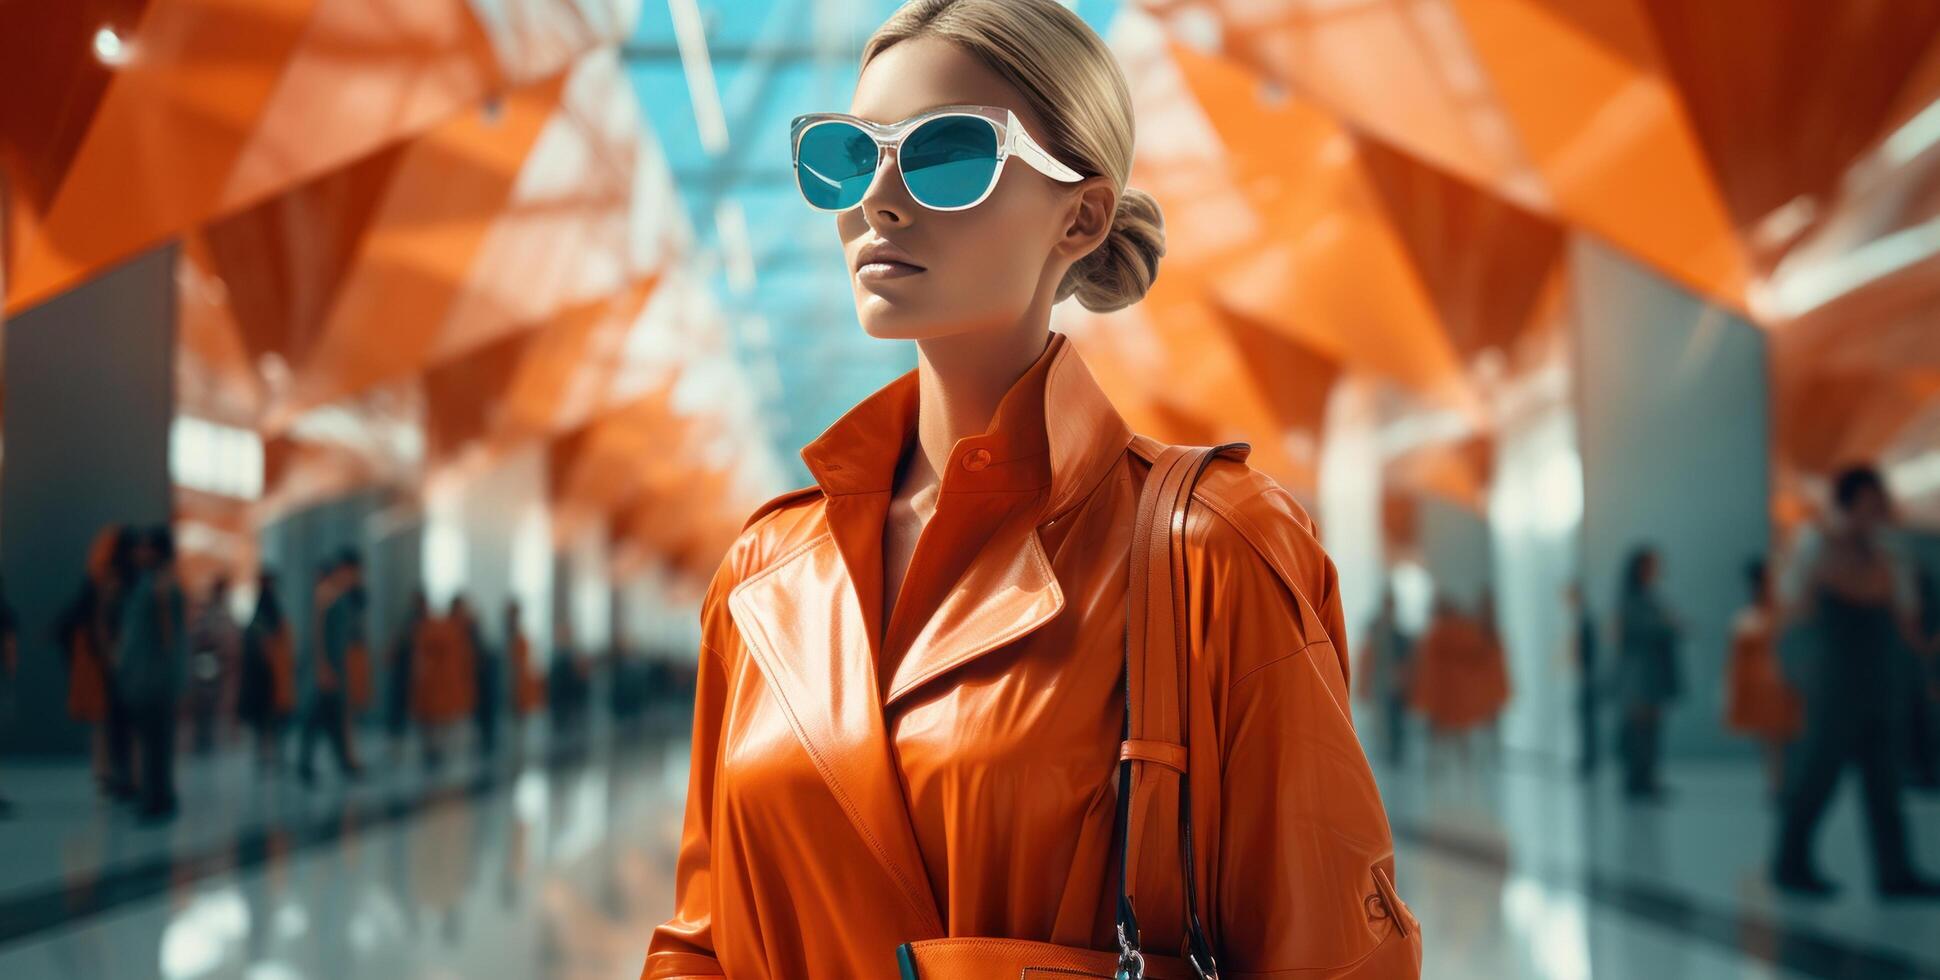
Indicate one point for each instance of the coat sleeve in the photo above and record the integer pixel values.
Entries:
(683, 946)
(1303, 881)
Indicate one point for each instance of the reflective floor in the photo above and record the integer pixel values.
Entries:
(1520, 869)
(558, 863)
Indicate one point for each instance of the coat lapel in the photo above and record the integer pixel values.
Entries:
(1005, 592)
(803, 625)
(1055, 438)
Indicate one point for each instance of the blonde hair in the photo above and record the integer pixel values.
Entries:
(1074, 84)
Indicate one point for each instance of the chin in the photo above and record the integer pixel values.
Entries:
(924, 319)
(891, 327)
(885, 320)
(910, 328)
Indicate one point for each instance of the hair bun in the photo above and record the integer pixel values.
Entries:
(1119, 271)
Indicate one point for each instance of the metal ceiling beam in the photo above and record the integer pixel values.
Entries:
(786, 54)
(742, 177)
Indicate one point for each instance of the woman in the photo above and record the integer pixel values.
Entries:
(1647, 673)
(1582, 658)
(1458, 685)
(105, 626)
(485, 694)
(1758, 702)
(267, 691)
(442, 686)
(1381, 680)
(214, 641)
(336, 631)
(910, 695)
(83, 639)
(528, 690)
(400, 668)
(151, 666)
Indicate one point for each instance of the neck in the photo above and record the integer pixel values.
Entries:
(961, 379)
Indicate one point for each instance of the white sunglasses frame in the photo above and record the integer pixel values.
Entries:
(1011, 139)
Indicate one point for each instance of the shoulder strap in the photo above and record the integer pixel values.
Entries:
(1156, 689)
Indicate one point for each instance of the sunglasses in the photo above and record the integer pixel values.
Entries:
(949, 158)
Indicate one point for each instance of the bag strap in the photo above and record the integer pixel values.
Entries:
(1157, 690)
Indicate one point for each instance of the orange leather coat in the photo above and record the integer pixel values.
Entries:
(857, 784)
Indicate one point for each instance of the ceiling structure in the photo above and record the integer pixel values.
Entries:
(420, 234)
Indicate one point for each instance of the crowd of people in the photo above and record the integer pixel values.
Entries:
(1834, 663)
(137, 662)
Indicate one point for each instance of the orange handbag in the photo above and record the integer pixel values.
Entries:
(1152, 756)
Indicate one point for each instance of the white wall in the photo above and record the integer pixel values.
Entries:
(1535, 525)
(1674, 408)
(488, 533)
(1350, 501)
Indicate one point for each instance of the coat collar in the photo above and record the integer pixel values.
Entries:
(980, 578)
(979, 565)
(1054, 428)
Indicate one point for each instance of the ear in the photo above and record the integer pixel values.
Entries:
(1088, 215)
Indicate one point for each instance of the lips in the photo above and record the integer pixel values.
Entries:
(879, 258)
(886, 270)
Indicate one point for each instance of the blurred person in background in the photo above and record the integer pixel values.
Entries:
(567, 680)
(1758, 701)
(324, 588)
(1649, 678)
(119, 583)
(1382, 677)
(442, 688)
(339, 620)
(212, 662)
(266, 691)
(81, 632)
(1923, 691)
(1455, 686)
(151, 666)
(486, 680)
(1583, 661)
(359, 676)
(528, 687)
(1850, 580)
(400, 666)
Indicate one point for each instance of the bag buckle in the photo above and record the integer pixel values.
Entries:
(1131, 962)
(1207, 970)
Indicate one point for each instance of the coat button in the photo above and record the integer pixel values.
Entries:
(976, 459)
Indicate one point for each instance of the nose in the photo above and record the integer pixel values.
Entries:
(886, 204)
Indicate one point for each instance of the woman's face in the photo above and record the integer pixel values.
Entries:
(988, 266)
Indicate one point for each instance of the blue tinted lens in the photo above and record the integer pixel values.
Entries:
(949, 162)
(833, 165)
